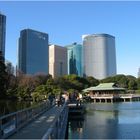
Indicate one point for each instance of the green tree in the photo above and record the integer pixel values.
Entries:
(132, 84)
(92, 81)
(12, 85)
(108, 80)
(75, 83)
(40, 93)
(3, 77)
(119, 79)
(27, 85)
(138, 83)
(41, 79)
(123, 82)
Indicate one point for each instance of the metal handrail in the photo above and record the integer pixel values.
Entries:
(112, 95)
(58, 126)
(12, 122)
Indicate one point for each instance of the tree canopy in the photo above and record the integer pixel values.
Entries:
(3, 77)
(39, 87)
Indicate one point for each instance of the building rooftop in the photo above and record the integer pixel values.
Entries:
(104, 86)
(98, 35)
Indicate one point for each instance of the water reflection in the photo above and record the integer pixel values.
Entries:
(108, 121)
(76, 128)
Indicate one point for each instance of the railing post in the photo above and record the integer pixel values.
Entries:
(16, 119)
(0, 128)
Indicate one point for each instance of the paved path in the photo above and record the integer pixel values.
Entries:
(37, 128)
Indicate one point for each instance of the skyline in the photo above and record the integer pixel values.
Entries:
(66, 22)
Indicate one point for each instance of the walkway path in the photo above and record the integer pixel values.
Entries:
(37, 128)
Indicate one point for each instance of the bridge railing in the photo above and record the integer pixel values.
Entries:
(58, 128)
(126, 95)
(11, 123)
(102, 95)
(113, 95)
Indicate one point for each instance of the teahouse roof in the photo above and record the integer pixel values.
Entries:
(103, 87)
(87, 89)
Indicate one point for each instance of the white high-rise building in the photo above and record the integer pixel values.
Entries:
(99, 55)
(57, 60)
(139, 73)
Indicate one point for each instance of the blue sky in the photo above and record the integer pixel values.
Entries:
(66, 22)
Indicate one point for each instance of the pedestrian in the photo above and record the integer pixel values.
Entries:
(50, 99)
(66, 97)
(58, 100)
(80, 98)
(77, 100)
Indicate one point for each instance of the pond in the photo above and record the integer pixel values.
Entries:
(107, 121)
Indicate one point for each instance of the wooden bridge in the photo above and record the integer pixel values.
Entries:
(40, 122)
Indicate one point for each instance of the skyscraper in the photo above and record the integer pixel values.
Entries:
(33, 52)
(2, 34)
(75, 59)
(57, 60)
(99, 55)
(139, 73)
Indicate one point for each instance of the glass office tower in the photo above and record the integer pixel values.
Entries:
(99, 55)
(2, 34)
(75, 59)
(33, 52)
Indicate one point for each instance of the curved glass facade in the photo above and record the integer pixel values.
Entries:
(99, 55)
(75, 59)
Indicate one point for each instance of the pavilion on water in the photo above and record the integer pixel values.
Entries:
(105, 92)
